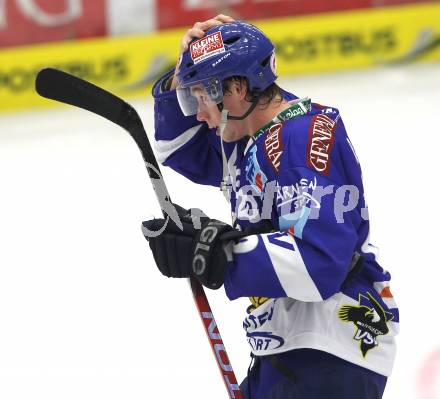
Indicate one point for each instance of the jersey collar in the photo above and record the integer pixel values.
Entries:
(297, 107)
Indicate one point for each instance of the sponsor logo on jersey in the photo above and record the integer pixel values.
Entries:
(321, 139)
(206, 47)
(273, 145)
(256, 301)
(261, 340)
(255, 321)
(370, 320)
(294, 204)
(265, 340)
(254, 175)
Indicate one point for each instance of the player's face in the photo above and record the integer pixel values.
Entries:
(207, 110)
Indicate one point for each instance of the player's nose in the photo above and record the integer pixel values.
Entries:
(202, 115)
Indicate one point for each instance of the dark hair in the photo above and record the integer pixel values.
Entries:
(271, 93)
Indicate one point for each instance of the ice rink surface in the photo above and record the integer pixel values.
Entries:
(84, 313)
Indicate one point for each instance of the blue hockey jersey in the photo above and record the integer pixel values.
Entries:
(314, 280)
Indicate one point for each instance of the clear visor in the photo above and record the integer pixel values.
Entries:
(199, 96)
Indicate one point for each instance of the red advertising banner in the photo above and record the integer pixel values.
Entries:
(33, 21)
(173, 13)
(176, 13)
(36, 21)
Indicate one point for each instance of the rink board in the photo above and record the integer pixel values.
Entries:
(311, 44)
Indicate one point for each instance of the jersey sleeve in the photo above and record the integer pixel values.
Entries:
(182, 142)
(310, 256)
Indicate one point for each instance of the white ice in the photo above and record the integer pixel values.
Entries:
(84, 313)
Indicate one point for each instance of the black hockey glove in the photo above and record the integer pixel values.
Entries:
(200, 249)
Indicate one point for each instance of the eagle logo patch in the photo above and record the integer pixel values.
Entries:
(370, 320)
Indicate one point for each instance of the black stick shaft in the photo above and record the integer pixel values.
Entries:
(63, 87)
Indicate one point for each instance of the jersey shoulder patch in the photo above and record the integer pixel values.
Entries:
(307, 140)
(274, 146)
(321, 138)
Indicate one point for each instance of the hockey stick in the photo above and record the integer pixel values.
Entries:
(63, 87)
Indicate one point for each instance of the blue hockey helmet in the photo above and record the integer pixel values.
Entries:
(231, 49)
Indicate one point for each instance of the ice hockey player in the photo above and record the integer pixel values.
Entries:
(322, 320)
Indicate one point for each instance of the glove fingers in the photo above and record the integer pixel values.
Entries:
(158, 248)
(171, 244)
(185, 251)
(179, 252)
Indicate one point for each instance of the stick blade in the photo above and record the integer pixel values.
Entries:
(61, 86)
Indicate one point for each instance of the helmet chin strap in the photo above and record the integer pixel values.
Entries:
(246, 114)
(256, 98)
